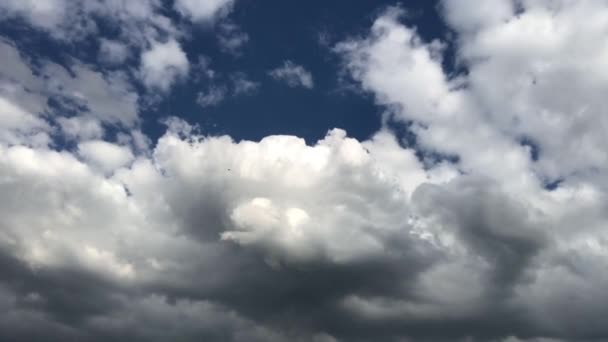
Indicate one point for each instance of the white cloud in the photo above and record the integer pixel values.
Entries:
(206, 229)
(241, 84)
(293, 75)
(48, 93)
(163, 64)
(18, 126)
(203, 10)
(109, 97)
(81, 127)
(104, 155)
(529, 76)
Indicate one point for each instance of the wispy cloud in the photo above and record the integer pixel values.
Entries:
(293, 75)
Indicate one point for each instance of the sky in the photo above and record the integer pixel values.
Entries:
(326, 171)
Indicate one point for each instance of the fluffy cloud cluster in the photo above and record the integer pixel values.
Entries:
(490, 228)
(44, 99)
(144, 31)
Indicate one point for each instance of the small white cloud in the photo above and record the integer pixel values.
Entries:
(293, 75)
(163, 64)
(203, 10)
(242, 84)
(212, 97)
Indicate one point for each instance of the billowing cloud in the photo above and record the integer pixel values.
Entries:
(490, 227)
(293, 75)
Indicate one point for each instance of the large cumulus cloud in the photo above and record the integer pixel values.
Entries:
(491, 227)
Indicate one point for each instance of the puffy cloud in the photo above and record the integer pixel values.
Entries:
(193, 192)
(18, 126)
(203, 10)
(456, 237)
(293, 75)
(344, 231)
(528, 100)
(80, 128)
(80, 101)
(163, 64)
(108, 157)
(57, 17)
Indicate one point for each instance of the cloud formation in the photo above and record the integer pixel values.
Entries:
(490, 227)
(293, 75)
(163, 64)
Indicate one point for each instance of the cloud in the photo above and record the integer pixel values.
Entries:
(242, 84)
(293, 75)
(47, 15)
(216, 92)
(212, 97)
(56, 17)
(18, 126)
(106, 156)
(80, 101)
(81, 128)
(231, 38)
(163, 64)
(203, 10)
(190, 237)
(113, 52)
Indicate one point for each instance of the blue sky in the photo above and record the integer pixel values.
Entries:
(240, 170)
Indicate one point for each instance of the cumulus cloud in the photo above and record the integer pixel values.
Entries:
(293, 75)
(203, 10)
(455, 238)
(104, 155)
(163, 64)
(80, 100)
